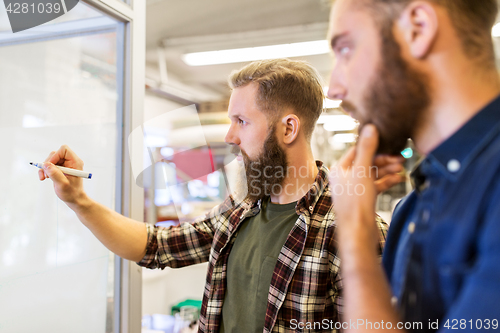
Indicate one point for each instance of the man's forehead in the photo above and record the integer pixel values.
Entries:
(243, 101)
(340, 9)
(345, 17)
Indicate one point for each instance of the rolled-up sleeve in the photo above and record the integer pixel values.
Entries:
(177, 246)
(151, 247)
(186, 244)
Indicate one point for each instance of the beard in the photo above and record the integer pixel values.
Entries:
(396, 100)
(265, 174)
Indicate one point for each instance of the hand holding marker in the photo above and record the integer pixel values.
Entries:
(67, 171)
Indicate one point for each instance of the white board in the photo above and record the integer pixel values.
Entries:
(54, 273)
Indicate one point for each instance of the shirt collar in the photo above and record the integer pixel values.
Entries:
(453, 156)
(308, 201)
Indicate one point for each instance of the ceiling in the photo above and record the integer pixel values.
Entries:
(175, 27)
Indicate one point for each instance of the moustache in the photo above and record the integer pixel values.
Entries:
(235, 150)
(348, 106)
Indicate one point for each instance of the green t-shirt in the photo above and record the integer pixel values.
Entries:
(251, 264)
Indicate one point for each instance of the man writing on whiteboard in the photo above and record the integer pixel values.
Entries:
(273, 263)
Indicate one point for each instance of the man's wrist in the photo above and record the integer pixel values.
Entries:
(81, 203)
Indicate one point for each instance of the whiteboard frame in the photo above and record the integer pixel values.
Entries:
(130, 198)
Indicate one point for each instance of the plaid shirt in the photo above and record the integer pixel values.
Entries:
(306, 284)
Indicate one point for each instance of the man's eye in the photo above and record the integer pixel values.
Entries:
(242, 122)
(344, 50)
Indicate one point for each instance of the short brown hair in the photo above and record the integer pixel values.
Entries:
(471, 19)
(284, 84)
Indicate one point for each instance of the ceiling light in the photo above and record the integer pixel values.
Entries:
(155, 140)
(495, 32)
(256, 53)
(337, 123)
(344, 138)
(339, 146)
(330, 103)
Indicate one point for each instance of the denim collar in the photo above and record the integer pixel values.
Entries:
(453, 156)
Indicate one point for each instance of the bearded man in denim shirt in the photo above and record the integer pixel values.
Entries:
(423, 70)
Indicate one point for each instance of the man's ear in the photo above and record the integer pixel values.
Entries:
(419, 26)
(292, 125)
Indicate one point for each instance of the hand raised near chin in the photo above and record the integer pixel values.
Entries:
(355, 183)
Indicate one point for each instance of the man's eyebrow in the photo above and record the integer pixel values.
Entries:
(335, 39)
(237, 115)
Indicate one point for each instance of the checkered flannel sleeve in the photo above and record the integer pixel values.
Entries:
(382, 228)
(186, 244)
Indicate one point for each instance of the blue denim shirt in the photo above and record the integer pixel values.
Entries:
(442, 255)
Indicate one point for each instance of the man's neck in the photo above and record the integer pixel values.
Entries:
(456, 99)
(301, 175)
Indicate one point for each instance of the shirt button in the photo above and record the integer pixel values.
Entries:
(311, 208)
(411, 227)
(412, 299)
(394, 301)
(425, 216)
(453, 166)
(446, 270)
(425, 185)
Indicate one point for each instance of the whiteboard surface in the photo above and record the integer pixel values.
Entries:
(53, 271)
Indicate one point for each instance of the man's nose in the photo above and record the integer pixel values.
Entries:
(231, 136)
(336, 90)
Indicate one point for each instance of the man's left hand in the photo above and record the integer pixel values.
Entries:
(389, 172)
(355, 183)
